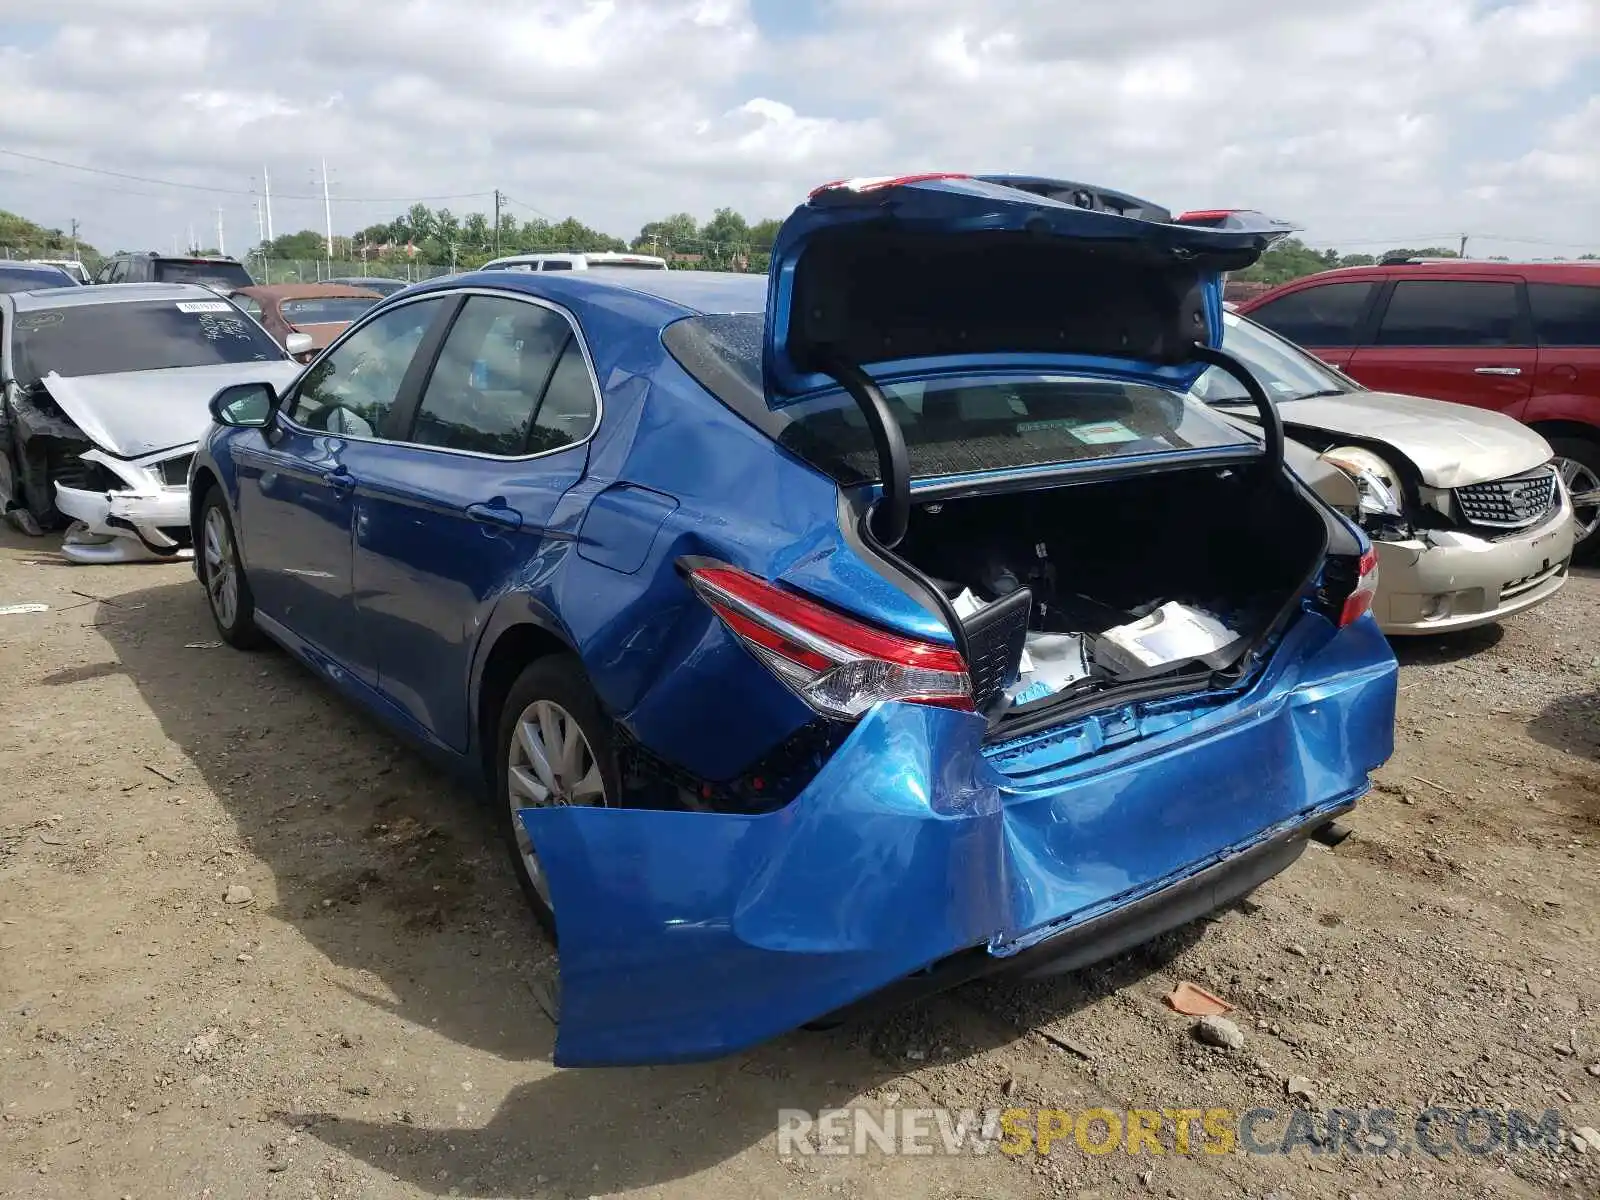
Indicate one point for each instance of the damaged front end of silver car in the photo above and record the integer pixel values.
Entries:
(137, 512)
(113, 508)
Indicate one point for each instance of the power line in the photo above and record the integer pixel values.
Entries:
(538, 212)
(200, 187)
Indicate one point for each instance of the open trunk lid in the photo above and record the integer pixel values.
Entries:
(932, 274)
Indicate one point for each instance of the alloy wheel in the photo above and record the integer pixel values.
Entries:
(222, 573)
(1584, 487)
(550, 762)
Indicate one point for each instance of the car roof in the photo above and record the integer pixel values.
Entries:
(688, 292)
(110, 293)
(599, 256)
(1538, 272)
(160, 257)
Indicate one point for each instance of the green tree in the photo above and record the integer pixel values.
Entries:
(306, 244)
(763, 233)
(421, 222)
(23, 239)
(1289, 259)
(679, 232)
(1425, 252)
(725, 239)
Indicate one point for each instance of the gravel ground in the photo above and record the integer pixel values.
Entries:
(252, 946)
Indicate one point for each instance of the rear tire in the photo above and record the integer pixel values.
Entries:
(551, 731)
(1578, 459)
(228, 595)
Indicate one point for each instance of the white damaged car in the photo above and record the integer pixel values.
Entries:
(106, 394)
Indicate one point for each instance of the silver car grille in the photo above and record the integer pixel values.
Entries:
(1509, 503)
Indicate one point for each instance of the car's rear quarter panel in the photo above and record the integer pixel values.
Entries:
(676, 474)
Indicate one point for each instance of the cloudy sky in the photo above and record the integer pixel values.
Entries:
(1371, 123)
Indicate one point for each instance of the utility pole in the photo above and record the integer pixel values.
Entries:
(327, 209)
(266, 184)
(74, 239)
(497, 222)
(1463, 245)
(192, 246)
(222, 246)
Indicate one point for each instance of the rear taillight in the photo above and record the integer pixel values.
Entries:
(1359, 601)
(839, 666)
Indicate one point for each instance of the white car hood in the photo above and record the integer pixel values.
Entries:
(1451, 445)
(133, 413)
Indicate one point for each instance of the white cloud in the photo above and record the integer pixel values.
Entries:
(1393, 118)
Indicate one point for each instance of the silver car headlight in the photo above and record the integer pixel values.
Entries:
(1376, 480)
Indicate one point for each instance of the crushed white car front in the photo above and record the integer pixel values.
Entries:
(131, 524)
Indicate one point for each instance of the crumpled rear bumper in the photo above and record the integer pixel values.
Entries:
(122, 517)
(690, 935)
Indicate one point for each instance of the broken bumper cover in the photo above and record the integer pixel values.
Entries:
(123, 526)
(914, 860)
(1449, 580)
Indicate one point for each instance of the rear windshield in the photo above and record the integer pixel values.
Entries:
(327, 310)
(951, 426)
(34, 279)
(99, 339)
(212, 274)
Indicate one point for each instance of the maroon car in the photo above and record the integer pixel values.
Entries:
(1520, 338)
(319, 310)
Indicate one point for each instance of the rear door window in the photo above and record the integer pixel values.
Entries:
(1450, 313)
(569, 408)
(1565, 314)
(496, 364)
(1326, 315)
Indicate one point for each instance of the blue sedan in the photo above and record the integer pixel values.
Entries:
(830, 638)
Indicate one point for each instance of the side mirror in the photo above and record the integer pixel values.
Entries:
(298, 345)
(244, 405)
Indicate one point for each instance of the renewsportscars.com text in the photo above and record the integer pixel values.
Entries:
(1435, 1131)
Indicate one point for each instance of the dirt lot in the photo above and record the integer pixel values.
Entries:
(364, 1025)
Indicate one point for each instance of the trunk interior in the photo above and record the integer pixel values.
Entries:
(1171, 574)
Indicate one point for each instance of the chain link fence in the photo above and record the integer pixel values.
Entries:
(310, 270)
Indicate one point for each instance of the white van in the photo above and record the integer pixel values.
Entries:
(576, 262)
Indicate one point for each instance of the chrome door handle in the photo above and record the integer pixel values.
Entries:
(1497, 370)
(339, 479)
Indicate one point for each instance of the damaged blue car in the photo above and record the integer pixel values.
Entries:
(834, 637)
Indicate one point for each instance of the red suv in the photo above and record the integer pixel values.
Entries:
(1523, 338)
